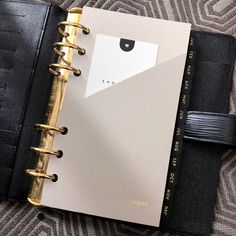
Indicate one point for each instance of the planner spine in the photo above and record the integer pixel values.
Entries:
(69, 30)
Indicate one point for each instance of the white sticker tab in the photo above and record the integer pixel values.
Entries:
(117, 59)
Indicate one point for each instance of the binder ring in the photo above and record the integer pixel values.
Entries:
(80, 50)
(77, 10)
(39, 174)
(85, 30)
(59, 53)
(53, 69)
(57, 153)
(62, 130)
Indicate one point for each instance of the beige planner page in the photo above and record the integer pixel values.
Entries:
(120, 114)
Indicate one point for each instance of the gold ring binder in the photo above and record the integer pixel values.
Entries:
(85, 30)
(62, 130)
(69, 30)
(80, 50)
(53, 69)
(59, 53)
(57, 153)
(39, 174)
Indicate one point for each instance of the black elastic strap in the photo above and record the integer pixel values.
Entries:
(211, 127)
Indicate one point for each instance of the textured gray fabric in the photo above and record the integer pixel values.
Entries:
(207, 15)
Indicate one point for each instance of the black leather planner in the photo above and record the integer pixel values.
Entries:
(26, 41)
(200, 160)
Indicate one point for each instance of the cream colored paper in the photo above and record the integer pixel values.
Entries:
(117, 151)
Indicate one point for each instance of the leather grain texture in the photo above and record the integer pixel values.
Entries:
(25, 53)
(195, 193)
(211, 128)
(17, 62)
(211, 15)
(36, 107)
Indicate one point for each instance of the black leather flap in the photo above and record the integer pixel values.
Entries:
(211, 127)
